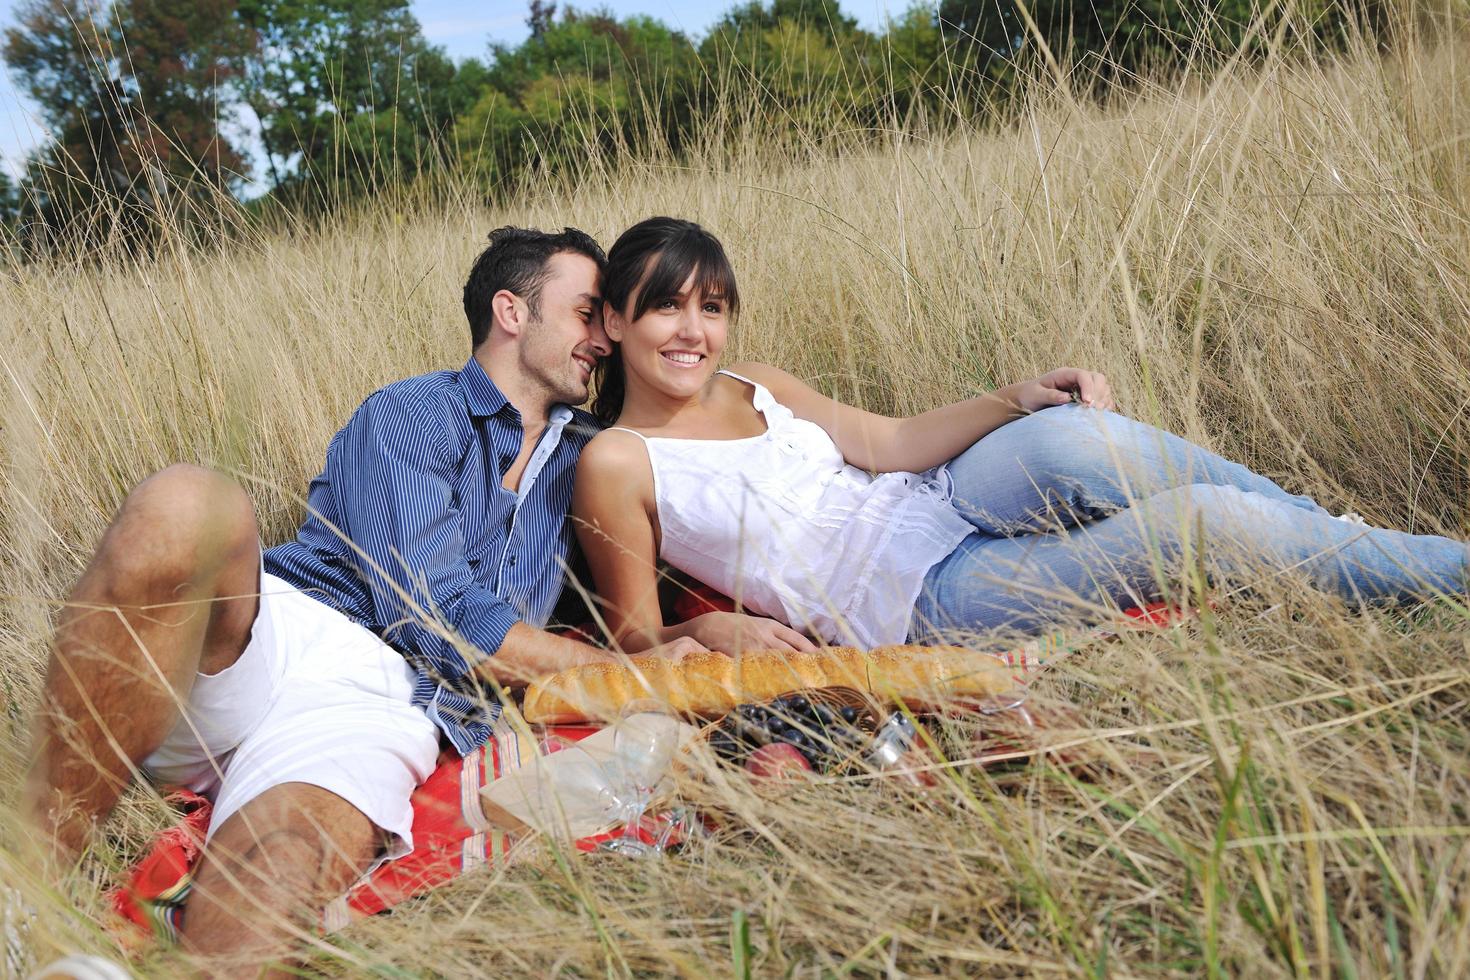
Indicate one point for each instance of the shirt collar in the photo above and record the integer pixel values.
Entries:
(480, 393)
(485, 399)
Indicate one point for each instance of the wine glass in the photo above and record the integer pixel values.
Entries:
(580, 793)
(644, 741)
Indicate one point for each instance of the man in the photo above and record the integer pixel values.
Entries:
(438, 526)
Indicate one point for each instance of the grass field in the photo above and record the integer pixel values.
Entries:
(1273, 261)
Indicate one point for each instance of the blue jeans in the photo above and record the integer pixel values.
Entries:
(1077, 511)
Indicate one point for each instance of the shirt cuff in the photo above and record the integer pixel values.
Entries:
(484, 627)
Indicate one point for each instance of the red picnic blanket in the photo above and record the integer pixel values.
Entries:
(451, 834)
(451, 837)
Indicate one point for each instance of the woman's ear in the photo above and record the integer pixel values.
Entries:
(613, 323)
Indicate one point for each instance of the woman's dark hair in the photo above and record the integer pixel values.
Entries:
(653, 259)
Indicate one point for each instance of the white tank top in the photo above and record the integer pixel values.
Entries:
(783, 525)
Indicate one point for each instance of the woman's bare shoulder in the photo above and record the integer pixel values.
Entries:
(611, 450)
(614, 479)
(615, 463)
(766, 374)
(783, 385)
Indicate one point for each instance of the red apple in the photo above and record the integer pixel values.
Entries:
(777, 761)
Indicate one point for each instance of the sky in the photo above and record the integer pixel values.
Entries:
(463, 28)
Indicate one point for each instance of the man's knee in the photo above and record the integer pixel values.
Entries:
(178, 523)
(300, 833)
(301, 860)
(252, 892)
(277, 861)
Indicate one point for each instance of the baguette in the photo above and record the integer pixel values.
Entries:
(710, 684)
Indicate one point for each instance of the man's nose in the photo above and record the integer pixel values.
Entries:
(598, 338)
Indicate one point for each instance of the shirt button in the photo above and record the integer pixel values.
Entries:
(511, 561)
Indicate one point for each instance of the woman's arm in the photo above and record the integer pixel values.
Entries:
(881, 444)
(612, 512)
(614, 515)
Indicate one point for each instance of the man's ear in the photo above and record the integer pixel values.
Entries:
(612, 323)
(509, 311)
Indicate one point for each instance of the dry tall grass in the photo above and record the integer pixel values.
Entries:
(1274, 262)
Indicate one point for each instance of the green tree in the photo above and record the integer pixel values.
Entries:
(584, 82)
(819, 15)
(60, 51)
(1115, 39)
(182, 57)
(348, 92)
(795, 63)
(134, 93)
(542, 15)
(913, 59)
(9, 202)
(804, 59)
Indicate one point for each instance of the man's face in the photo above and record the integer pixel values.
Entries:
(559, 350)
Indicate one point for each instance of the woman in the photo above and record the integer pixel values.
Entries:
(1010, 510)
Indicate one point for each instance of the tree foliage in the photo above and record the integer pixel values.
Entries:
(582, 82)
(347, 95)
(1119, 39)
(348, 91)
(134, 95)
(9, 202)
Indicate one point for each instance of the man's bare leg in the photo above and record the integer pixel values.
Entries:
(146, 615)
(268, 872)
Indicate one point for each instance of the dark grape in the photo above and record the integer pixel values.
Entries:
(799, 704)
(849, 713)
(724, 744)
(747, 732)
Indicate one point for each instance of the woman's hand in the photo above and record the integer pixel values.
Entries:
(1058, 388)
(730, 632)
(676, 649)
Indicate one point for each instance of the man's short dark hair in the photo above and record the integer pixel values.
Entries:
(517, 260)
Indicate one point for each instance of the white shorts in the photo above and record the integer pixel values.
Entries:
(314, 698)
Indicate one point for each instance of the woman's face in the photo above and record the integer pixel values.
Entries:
(674, 346)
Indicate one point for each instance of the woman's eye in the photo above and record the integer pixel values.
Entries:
(667, 304)
(713, 308)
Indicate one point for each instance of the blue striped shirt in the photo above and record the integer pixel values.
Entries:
(411, 533)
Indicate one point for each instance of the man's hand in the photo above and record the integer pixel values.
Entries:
(1060, 386)
(729, 632)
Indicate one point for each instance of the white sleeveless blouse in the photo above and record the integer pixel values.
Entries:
(782, 524)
